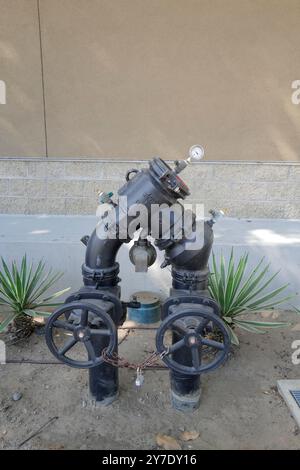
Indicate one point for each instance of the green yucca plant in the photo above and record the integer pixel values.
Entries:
(237, 292)
(21, 291)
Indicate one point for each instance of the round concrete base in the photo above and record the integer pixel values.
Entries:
(106, 402)
(186, 403)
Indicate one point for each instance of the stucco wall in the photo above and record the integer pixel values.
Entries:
(91, 84)
(21, 118)
(127, 79)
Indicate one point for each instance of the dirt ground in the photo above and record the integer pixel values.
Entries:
(240, 409)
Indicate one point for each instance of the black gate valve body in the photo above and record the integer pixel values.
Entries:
(191, 325)
(80, 332)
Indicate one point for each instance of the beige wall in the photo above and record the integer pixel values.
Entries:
(131, 78)
(21, 118)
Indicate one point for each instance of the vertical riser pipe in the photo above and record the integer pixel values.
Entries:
(103, 379)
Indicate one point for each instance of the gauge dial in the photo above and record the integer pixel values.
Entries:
(196, 153)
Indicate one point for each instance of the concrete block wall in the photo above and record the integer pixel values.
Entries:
(246, 190)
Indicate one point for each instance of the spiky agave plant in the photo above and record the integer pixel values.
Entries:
(237, 292)
(21, 291)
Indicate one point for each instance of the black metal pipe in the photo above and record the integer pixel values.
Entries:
(101, 254)
(101, 270)
(185, 389)
(103, 379)
(149, 186)
(181, 255)
(156, 185)
(189, 274)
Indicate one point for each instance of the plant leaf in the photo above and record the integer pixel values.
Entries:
(247, 327)
(264, 324)
(21, 288)
(233, 337)
(37, 313)
(237, 292)
(9, 318)
(57, 294)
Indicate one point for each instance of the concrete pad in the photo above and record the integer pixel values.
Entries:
(285, 387)
(56, 239)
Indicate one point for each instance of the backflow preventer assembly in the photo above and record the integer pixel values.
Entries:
(192, 338)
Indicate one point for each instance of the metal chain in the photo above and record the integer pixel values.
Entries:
(119, 361)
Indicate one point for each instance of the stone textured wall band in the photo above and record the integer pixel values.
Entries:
(68, 187)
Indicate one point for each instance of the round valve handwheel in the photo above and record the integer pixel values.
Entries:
(82, 332)
(194, 338)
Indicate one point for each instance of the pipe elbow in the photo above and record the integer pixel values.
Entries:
(182, 254)
(101, 253)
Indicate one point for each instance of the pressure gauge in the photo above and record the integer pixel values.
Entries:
(196, 153)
